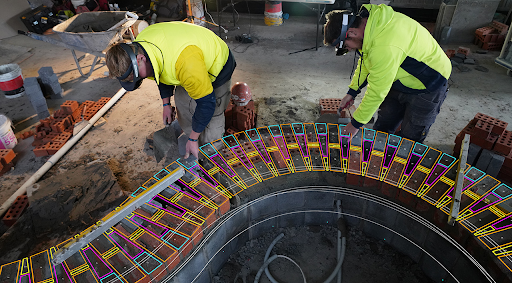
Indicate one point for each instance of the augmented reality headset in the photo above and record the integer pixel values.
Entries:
(135, 81)
(347, 21)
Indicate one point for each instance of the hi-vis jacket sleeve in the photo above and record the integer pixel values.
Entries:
(358, 80)
(192, 73)
(382, 74)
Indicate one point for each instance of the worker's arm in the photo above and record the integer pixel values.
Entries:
(194, 77)
(166, 91)
(358, 82)
(385, 62)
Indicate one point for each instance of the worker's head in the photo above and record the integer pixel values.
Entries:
(128, 64)
(345, 31)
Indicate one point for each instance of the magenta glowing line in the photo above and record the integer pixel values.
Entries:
(230, 174)
(243, 158)
(121, 247)
(442, 173)
(90, 264)
(145, 228)
(284, 152)
(170, 204)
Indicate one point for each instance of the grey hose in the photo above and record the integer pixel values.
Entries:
(267, 254)
(272, 258)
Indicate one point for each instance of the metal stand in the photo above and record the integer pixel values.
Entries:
(318, 18)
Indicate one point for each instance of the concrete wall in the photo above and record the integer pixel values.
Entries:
(470, 15)
(10, 14)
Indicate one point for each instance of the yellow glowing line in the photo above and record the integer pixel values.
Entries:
(378, 153)
(208, 203)
(190, 215)
(447, 181)
(108, 254)
(232, 161)
(472, 195)
(195, 182)
(400, 160)
(251, 154)
(213, 171)
(79, 270)
(497, 211)
(423, 169)
(295, 145)
(272, 148)
(157, 215)
(136, 234)
(485, 231)
(355, 148)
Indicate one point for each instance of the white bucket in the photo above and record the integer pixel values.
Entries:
(7, 138)
(11, 81)
(77, 3)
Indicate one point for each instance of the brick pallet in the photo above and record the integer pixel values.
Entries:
(491, 37)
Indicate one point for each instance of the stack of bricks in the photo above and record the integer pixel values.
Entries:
(490, 148)
(6, 160)
(53, 132)
(491, 37)
(240, 118)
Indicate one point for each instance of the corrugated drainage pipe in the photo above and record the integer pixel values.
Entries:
(39, 173)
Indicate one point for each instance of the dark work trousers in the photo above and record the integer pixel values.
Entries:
(416, 112)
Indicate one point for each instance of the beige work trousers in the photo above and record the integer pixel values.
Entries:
(186, 106)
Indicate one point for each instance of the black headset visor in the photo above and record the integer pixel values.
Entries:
(136, 80)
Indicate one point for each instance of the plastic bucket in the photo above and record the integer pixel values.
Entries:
(273, 13)
(77, 3)
(11, 80)
(7, 138)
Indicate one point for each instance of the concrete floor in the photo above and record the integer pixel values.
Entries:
(286, 89)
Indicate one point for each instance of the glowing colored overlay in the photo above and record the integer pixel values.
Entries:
(149, 243)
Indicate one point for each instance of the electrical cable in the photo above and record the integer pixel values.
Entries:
(272, 258)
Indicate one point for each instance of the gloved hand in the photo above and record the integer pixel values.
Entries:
(169, 114)
(346, 102)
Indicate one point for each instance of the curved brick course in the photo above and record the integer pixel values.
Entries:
(149, 244)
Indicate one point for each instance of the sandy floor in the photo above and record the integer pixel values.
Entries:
(286, 89)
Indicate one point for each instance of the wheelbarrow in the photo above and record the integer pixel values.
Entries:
(91, 32)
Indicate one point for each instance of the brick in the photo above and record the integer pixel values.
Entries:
(508, 160)
(354, 179)
(485, 30)
(5, 168)
(504, 143)
(15, 211)
(69, 106)
(487, 143)
(389, 190)
(53, 147)
(495, 164)
(463, 50)
(6, 156)
(501, 28)
(40, 150)
(482, 129)
(50, 137)
(450, 53)
(484, 160)
(369, 182)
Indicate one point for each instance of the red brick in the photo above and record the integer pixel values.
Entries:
(501, 28)
(6, 156)
(50, 137)
(389, 190)
(354, 179)
(369, 182)
(53, 147)
(69, 106)
(5, 168)
(407, 198)
(450, 53)
(485, 30)
(16, 210)
(40, 151)
(482, 129)
(463, 50)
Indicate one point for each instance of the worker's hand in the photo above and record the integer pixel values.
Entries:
(169, 114)
(349, 130)
(192, 147)
(346, 102)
